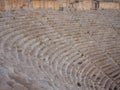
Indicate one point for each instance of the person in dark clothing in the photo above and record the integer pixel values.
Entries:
(96, 4)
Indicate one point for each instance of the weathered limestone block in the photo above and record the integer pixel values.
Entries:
(109, 5)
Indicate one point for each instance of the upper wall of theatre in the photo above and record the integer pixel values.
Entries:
(56, 4)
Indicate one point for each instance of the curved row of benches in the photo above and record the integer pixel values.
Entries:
(46, 49)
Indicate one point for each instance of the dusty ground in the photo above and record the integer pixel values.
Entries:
(55, 50)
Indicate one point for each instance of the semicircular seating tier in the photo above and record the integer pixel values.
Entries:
(54, 50)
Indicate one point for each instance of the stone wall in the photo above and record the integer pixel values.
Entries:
(82, 4)
(85, 5)
(5, 4)
(109, 5)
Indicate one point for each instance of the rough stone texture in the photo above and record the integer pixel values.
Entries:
(54, 50)
(56, 4)
(109, 5)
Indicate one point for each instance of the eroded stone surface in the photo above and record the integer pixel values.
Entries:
(54, 50)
